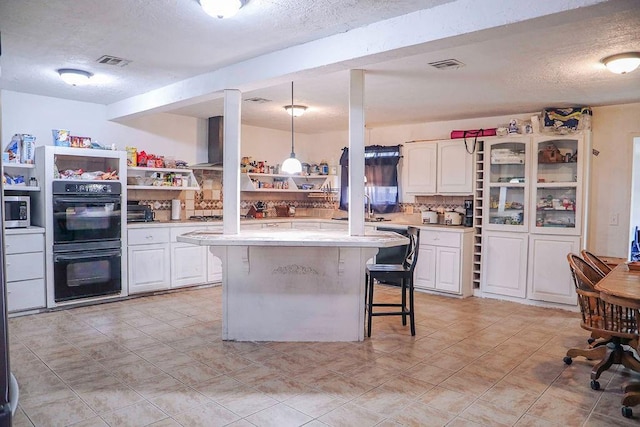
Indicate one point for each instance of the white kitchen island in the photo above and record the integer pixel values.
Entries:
(293, 285)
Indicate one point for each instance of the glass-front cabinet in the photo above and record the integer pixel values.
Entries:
(506, 184)
(556, 194)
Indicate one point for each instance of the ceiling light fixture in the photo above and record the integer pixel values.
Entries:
(622, 63)
(74, 77)
(295, 110)
(221, 8)
(292, 165)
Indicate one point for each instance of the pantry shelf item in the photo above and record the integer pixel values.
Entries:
(24, 170)
(289, 183)
(175, 179)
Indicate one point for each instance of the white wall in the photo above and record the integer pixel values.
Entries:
(614, 129)
(164, 134)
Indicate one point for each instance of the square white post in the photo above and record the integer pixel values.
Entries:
(231, 157)
(356, 153)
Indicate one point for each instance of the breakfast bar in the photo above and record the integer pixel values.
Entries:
(293, 285)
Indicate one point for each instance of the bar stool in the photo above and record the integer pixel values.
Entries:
(404, 272)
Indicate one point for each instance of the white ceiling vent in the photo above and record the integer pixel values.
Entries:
(258, 100)
(113, 60)
(447, 64)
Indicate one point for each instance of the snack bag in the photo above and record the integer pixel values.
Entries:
(13, 148)
(61, 137)
(132, 156)
(27, 148)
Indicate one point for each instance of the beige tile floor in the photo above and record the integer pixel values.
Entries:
(159, 361)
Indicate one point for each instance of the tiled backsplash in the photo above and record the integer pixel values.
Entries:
(208, 201)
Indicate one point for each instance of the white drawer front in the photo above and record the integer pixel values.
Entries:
(21, 243)
(25, 266)
(25, 295)
(147, 236)
(436, 238)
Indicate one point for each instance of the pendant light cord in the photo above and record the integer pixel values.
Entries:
(293, 154)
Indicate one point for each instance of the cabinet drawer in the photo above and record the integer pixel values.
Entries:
(178, 231)
(437, 238)
(25, 266)
(147, 236)
(22, 243)
(25, 295)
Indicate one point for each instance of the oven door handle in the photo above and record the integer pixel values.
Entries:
(85, 200)
(104, 254)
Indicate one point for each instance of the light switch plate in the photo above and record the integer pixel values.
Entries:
(215, 194)
(613, 220)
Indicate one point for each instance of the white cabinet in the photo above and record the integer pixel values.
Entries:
(436, 167)
(455, 168)
(188, 264)
(504, 263)
(444, 261)
(419, 173)
(148, 259)
(549, 276)
(157, 261)
(24, 255)
(141, 178)
(534, 199)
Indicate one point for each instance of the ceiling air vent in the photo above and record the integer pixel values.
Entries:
(447, 64)
(113, 60)
(258, 100)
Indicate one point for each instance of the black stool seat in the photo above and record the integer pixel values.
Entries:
(404, 272)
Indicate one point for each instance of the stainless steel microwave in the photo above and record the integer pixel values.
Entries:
(17, 211)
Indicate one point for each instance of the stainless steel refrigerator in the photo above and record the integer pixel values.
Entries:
(8, 384)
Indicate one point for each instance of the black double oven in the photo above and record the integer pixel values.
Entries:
(87, 249)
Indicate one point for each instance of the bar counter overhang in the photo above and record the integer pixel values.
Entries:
(293, 285)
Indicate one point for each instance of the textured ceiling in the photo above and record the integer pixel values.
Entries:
(510, 69)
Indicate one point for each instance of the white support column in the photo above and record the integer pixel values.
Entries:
(356, 153)
(231, 160)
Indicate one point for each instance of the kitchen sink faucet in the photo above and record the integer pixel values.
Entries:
(369, 213)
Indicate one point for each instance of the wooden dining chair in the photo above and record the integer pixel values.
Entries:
(595, 262)
(404, 272)
(603, 321)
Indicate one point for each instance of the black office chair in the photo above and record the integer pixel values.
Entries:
(404, 272)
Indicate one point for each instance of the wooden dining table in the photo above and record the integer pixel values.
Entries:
(624, 286)
(621, 282)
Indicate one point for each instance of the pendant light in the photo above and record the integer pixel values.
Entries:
(292, 165)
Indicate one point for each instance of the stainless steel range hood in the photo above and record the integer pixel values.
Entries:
(214, 144)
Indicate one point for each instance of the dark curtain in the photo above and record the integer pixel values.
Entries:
(381, 172)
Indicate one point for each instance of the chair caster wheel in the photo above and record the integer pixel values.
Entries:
(595, 385)
(567, 360)
(591, 341)
(627, 412)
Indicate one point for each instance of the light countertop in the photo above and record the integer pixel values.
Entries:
(295, 237)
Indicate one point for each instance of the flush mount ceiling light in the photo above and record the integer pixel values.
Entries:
(622, 63)
(221, 8)
(292, 165)
(74, 77)
(295, 110)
